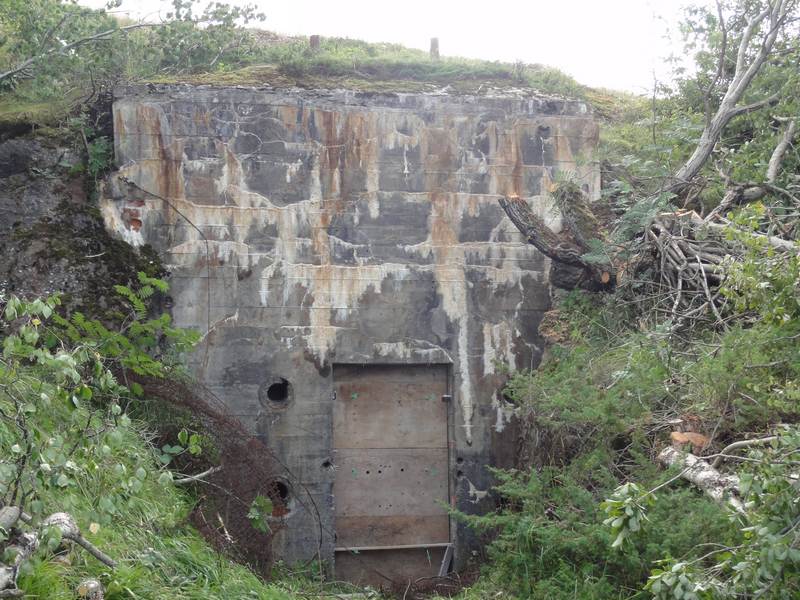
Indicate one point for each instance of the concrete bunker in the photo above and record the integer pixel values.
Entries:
(358, 288)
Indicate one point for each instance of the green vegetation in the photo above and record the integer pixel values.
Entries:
(72, 448)
(49, 63)
(599, 409)
(353, 64)
(591, 513)
(356, 64)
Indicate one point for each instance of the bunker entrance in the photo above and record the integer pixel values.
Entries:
(390, 437)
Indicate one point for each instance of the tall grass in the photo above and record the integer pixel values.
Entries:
(343, 57)
(159, 555)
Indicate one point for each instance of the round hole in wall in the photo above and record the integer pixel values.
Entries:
(279, 493)
(459, 474)
(459, 461)
(278, 490)
(278, 391)
(327, 464)
(275, 392)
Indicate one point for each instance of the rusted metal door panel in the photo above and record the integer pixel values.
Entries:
(391, 481)
(390, 414)
(371, 532)
(388, 496)
(391, 486)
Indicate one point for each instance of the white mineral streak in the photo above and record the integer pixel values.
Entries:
(498, 346)
(476, 495)
(393, 349)
(505, 412)
(292, 169)
(331, 292)
(409, 350)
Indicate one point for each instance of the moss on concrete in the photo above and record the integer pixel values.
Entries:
(362, 66)
(272, 76)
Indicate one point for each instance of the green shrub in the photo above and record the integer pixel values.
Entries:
(70, 447)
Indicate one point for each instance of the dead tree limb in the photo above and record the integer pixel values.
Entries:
(23, 544)
(197, 478)
(9, 515)
(570, 247)
(70, 531)
(741, 444)
(675, 250)
(721, 488)
(738, 195)
(780, 150)
(21, 549)
(533, 227)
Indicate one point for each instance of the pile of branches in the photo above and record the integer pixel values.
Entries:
(681, 261)
(685, 266)
(236, 470)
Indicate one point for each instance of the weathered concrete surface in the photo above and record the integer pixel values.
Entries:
(305, 229)
(52, 238)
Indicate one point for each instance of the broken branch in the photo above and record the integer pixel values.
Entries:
(740, 444)
(719, 487)
(780, 150)
(66, 48)
(198, 477)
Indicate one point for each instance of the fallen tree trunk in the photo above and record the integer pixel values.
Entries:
(9, 515)
(722, 488)
(22, 548)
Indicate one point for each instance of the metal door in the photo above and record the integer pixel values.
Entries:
(391, 486)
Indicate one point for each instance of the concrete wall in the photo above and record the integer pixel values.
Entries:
(308, 228)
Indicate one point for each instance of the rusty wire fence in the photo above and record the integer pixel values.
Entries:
(237, 467)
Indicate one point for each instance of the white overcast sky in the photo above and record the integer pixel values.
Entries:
(606, 43)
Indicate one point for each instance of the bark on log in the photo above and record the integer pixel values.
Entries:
(9, 515)
(91, 589)
(23, 547)
(562, 249)
(70, 531)
(722, 488)
(533, 227)
(25, 544)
